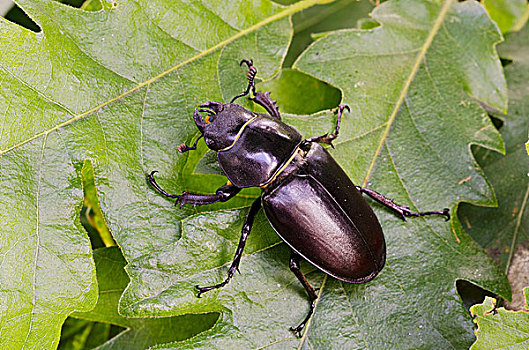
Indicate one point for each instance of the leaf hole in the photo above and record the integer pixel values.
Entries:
(18, 16)
(498, 123)
(505, 61)
(472, 294)
(300, 93)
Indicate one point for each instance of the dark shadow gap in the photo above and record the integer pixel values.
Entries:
(472, 294)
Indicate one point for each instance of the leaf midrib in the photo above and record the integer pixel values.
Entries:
(299, 6)
(418, 61)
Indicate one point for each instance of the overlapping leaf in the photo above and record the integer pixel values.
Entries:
(118, 87)
(140, 333)
(499, 328)
(501, 229)
(411, 84)
(115, 86)
(509, 15)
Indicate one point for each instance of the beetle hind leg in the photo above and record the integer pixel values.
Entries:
(403, 210)
(294, 267)
(246, 227)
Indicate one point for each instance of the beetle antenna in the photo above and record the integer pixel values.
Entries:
(252, 71)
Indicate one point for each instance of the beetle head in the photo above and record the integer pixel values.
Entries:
(221, 124)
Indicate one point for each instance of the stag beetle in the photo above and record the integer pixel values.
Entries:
(308, 199)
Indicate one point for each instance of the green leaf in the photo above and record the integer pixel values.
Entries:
(499, 328)
(79, 334)
(140, 333)
(91, 5)
(92, 212)
(338, 14)
(118, 87)
(409, 83)
(291, 84)
(401, 138)
(502, 230)
(510, 15)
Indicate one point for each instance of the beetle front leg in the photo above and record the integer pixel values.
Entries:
(222, 194)
(326, 138)
(252, 71)
(184, 148)
(402, 210)
(246, 228)
(260, 98)
(294, 267)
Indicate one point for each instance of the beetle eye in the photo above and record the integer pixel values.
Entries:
(210, 115)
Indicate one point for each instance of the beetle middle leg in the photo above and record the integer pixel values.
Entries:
(246, 228)
(326, 138)
(222, 194)
(294, 267)
(402, 210)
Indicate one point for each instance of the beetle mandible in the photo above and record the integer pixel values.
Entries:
(308, 199)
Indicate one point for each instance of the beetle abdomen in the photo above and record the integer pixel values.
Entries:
(317, 212)
(259, 151)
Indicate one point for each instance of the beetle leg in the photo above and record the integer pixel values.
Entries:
(326, 138)
(402, 210)
(267, 103)
(184, 148)
(252, 71)
(222, 194)
(294, 267)
(246, 227)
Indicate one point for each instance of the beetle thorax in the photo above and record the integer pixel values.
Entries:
(259, 151)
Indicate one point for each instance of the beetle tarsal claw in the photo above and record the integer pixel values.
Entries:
(181, 148)
(297, 330)
(249, 63)
(446, 212)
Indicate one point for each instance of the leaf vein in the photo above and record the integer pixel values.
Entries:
(37, 245)
(352, 314)
(157, 25)
(422, 53)
(142, 160)
(301, 5)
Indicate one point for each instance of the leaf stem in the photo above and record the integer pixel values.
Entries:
(516, 230)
